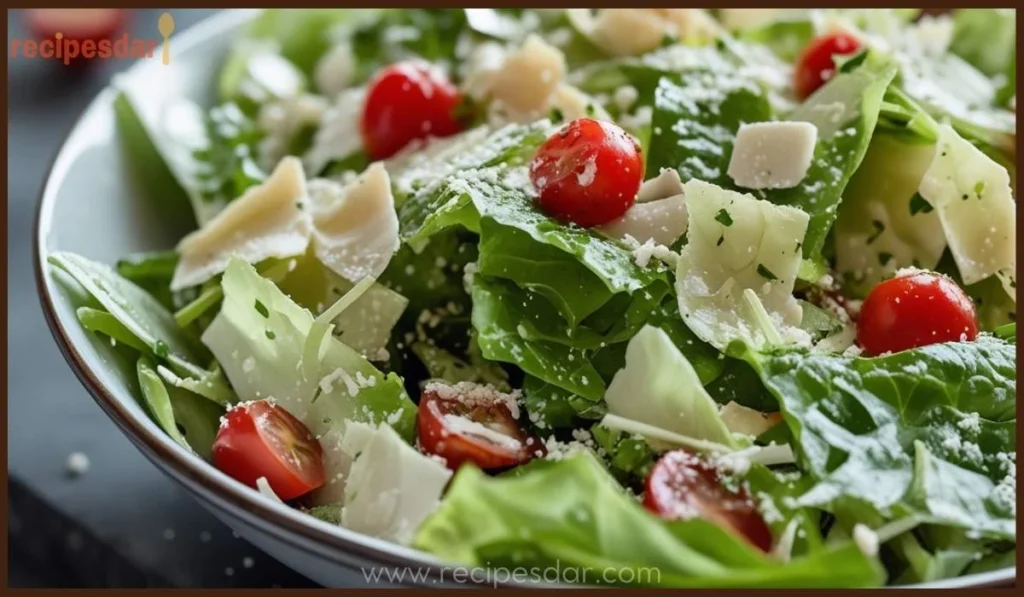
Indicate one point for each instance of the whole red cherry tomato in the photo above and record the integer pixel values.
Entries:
(914, 310)
(407, 101)
(589, 172)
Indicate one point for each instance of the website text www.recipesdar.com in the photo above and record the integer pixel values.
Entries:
(499, 575)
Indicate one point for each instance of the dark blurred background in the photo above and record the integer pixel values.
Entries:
(120, 522)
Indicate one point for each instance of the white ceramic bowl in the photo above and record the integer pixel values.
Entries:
(89, 206)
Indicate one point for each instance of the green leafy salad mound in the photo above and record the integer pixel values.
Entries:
(717, 316)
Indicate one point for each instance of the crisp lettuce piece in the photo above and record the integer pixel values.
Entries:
(928, 431)
(267, 348)
(986, 37)
(658, 386)
(303, 36)
(845, 111)
(883, 224)
(696, 116)
(256, 74)
(152, 271)
(160, 141)
(496, 318)
(950, 89)
(430, 34)
(135, 309)
(735, 276)
(150, 170)
(189, 419)
(972, 196)
(573, 513)
(445, 366)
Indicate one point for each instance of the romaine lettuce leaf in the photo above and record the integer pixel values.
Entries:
(163, 163)
(302, 36)
(844, 111)
(574, 514)
(696, 116)
(497, 317)
(189, 419)
(986, 38)
(658, 386)
(265, 343)
(927, 431)
(735, 275)
(134, 308)
(883, 224)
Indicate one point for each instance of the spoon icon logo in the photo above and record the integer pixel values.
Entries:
(166, 26)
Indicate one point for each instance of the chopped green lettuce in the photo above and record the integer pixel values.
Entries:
(928, 431)
(658, 386)
(735, 281)
(574, 514)
(264, 342)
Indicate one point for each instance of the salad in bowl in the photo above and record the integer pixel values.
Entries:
(705, 298)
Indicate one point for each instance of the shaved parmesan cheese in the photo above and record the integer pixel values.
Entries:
(736, 273)
(392, 488)
(575, 104)
(355, 228)
(747, 421)
(528, 78)
(666, 184)
(662, 221)
(341, 445)
(972, 196)
(264, 222)
(338, 135)
(335, 70)
(623, 31)
(772, 155)
(632, 31)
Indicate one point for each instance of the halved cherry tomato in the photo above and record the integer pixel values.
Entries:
(589, 172)
(816, 63)
(259, 439)
(76, 23)
(465, 426)
(914, 310)
(682, 486)
(407, 101)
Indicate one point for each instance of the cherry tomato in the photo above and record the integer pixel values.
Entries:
(258, 439)
(682, 486)
(76, 23)
(461, 424)
(815, 65)
(407, 101)
(915, 310)
(589, 172)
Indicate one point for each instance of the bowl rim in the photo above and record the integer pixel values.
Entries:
(298, 530)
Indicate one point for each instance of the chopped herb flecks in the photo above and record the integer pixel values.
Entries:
(723, 217)
(262, 309)
(879, 229)
(918, 205)
(766, 273)
(271, 335)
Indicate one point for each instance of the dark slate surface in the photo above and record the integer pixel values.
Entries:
(122, 523)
